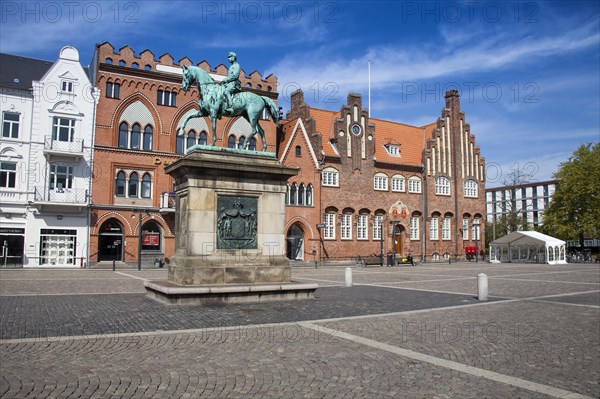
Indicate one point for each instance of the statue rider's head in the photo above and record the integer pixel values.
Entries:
(231, 56)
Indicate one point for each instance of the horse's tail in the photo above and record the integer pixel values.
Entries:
(273, 110)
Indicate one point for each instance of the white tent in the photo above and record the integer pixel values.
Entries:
(528, 247)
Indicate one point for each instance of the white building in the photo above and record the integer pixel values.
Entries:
(48, 112)
(528, 201)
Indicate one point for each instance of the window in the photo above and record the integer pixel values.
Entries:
(252, 145)
(435, 256)
(8, 175)
(414, 228)
(475, 229)
(10, 125)
(179, 141)
(123, 135)
(120, 184)
(309, 195)
(61, 177)
(202, 139)
(362, 224)
(301, 191)
(465, 229)
(446, 228)
(377, 221)
(167, 98)
(109, 61)
(135, 65)
(346, 226)
(147, 141)
(381, 182)
(433, 229)
(470, 189)
(329, 233)
(121, 63)
(398, 183)
(148, 68)
(298, 151)
(133, 185)
(146, 186)
(135, 137)
(191, 139)
(442, 186)
(393, 150)
(414, 184)
(66, 86)
(151, 236)
(57, 247)
(231, 142)
(330, 177)
(293, 194)
(63, 129)
(241, 142)
(113, 90)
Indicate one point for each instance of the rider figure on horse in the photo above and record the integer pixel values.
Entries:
(231, 84)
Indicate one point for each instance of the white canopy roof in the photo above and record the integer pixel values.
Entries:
(527, 237)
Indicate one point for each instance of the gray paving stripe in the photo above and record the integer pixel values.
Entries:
(128, 275)
(71, 294)
(568, 304)
(416, 289)
(475, 371)
(540, 281)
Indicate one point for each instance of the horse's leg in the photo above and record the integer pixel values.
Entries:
(252, 132)
(262, 135)
(196, 114)
(213, 125)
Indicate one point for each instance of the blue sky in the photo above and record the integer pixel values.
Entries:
(528, 72)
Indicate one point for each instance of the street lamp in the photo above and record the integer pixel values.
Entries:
(476, 230)
(139, 266)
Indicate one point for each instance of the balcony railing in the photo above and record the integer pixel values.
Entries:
(74, 147)
(61, 195)
(167, 202)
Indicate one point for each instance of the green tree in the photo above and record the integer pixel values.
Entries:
(574, 212)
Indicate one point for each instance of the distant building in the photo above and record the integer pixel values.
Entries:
(527, 201)
(48, 112)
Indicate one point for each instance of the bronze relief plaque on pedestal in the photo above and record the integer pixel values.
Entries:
(237, 222)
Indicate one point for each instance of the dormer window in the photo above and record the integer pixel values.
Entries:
(393, 149)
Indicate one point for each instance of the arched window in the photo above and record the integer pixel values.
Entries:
(293, 194)
(298, 151)
(133, 185)
(380, 182)
(147, 67)
(202, 139)
(398, 183)
(241, 142)
(231, 141)
(135, 137)
(309, 195)
(301, 191)
(414, 184)
(470, 189)
(442, 186)
(329, 177)
(151, 236)
(120, 184)
(146, 186)
(191, 139)
(179, 141)
(148, 138)
(252, 145)
(123, 131)
(122, 63)
(435, 256)
(109, 61)
(287, 195)
(135, 65)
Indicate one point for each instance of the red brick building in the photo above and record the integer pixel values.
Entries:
(139, 112)
(368, 185)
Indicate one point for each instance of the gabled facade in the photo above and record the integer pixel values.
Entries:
(379, 186)
(141, 108)
(52, 148)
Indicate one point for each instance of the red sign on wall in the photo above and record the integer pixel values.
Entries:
(150, 239)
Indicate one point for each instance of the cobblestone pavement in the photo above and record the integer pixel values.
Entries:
(402, 332)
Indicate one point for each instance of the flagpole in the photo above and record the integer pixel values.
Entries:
(369, 88)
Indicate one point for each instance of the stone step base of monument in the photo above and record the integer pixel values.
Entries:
(176, 294)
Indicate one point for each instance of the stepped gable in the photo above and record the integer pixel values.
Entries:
(147, 60)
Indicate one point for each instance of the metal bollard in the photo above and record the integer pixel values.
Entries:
(348, 277)
(482, 287)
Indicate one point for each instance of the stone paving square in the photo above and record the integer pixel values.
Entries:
(399, 332)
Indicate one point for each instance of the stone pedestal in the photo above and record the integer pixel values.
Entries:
(229, 238)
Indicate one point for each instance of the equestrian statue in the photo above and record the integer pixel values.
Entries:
(225, 98)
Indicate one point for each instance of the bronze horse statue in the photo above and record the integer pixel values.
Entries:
(246, 104)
